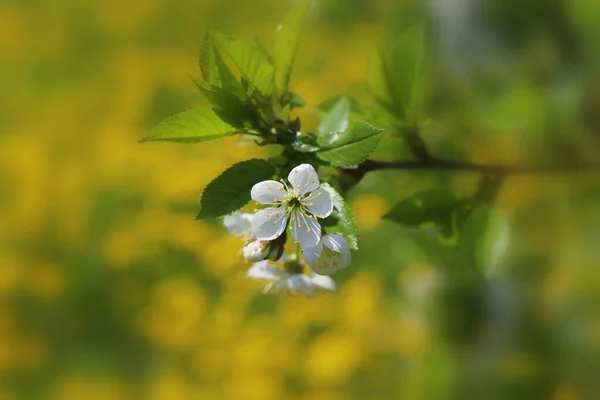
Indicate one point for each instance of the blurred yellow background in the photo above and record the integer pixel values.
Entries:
(110, 290)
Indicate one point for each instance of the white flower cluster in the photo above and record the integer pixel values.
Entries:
(299, 202)
(284, 281)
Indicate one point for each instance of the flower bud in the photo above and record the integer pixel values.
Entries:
(256, 250)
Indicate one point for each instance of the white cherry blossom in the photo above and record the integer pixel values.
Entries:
(239, 224)
(330, 255)
(283, 282)
(301, 201)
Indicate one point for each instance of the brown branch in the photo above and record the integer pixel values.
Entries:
(437, 165)
(433, 164)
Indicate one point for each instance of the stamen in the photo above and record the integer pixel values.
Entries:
(284, 184)
(275, 201)
(310, 204)
(268, 215)
(319, 194)
(281, 188)
(309, 230)
(256, 210)
(269, 187)
(275, 222)
(312, 181)
(299, 225)
(295, 171)
(298, 186)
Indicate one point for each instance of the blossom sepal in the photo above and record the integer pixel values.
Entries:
(277, 248)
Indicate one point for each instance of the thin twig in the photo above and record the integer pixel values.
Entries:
(438, 165)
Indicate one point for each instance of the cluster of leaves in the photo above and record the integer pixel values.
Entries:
(248, 89)
(252, 99)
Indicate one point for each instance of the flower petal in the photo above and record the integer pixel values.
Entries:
(339, 244)
(312, 254)
(300, 283)
(238, 224)
(256, 250)
(264, 270)
(277, 286)
(269, 223)
(323, 282)
(268, 192)
(303, 179)
(307, 231)
(334, 255)
(319, 203)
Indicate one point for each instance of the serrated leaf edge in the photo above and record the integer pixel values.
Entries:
(377, 136)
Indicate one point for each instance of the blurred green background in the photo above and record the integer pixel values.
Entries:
(110, 290)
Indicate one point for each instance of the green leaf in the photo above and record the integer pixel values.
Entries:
(228, 106)
(297, 101)
(285, 43)
(305, 143)
(485, 238)
(326, 105)
(208, 63)
(377, 78)
(192, 126)
(251, 60)
(398, 81)
(228, 81)
(295, 125)
(260, 46)
(285, 136)
(215, 71)
(406, 68)
(430, 206)
(334, 122)
(230, 191)
(341, 219)
(353, 146)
